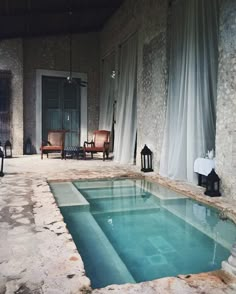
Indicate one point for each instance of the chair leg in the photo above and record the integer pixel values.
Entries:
(107, 153)
(41, 154)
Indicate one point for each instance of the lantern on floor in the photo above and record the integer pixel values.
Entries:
(28, 146)
(212, 184)
(1, 161)
(8, 149)
(146, 159)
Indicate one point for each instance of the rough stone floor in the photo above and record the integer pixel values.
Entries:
(37, 254)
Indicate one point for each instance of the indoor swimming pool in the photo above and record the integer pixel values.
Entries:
(129, 231)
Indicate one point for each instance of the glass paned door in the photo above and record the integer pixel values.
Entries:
(5, 117)
(61, 108)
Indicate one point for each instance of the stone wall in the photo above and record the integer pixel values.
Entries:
(149, 19)
(11, 58)
(52, 53)
(152, 78)
(226, 100)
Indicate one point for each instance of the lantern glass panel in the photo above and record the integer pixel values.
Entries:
(8, 152)
(8, 149)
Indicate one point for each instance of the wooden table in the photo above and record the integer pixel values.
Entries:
(74, 151)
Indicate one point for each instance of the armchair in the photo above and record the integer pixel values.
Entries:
(55, 143)
(100, 143)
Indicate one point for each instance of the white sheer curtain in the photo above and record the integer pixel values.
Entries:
(190, 119)
(125, 128)
(107, 93)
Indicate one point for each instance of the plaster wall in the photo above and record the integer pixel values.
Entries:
(149, 19)
(226, 100)
(11, 58)
(52, 53)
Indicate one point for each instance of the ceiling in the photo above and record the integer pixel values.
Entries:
(31, 18)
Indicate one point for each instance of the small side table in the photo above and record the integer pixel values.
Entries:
(203, 166)
(74, 151)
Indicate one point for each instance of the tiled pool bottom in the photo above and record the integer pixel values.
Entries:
(133, 231)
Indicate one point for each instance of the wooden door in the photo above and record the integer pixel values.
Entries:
(61, 108)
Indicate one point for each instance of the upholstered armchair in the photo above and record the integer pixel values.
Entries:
(100, 143)
(55, 143)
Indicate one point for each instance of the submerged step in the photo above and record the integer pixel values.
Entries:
(111, 192)
(112, 183)
(102, 263)
(127, 210)
(123, 203)
(144, 195)
(67, 195)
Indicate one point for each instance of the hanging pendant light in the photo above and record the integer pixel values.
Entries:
(69, 78)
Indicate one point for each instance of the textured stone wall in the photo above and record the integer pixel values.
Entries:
(226, 100)
(149, 19)
(152, 78)
(11, 58)
(52, 53)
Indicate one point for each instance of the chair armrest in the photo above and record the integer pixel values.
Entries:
(89, 143)
(45, 143)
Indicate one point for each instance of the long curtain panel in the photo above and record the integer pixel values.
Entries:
(126, 108)
(191, 104)
(107, 93)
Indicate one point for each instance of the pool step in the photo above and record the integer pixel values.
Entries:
(111, 192)
(118, 196)
(102, 263)
(123, 204)
(128, 210)
(160, 192)
(111, 183)
(66, 194)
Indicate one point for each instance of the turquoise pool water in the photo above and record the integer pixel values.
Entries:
(133, 231)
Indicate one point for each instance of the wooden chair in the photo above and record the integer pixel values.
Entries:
(100, 143)
(55, 143)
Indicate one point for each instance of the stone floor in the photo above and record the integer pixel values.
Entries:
(37, 254)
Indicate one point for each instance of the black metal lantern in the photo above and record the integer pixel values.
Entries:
(146, 159)
(212, 184)
(2, 161)
(8, 149)
(28, 147)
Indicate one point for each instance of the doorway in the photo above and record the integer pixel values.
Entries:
(61, 108)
